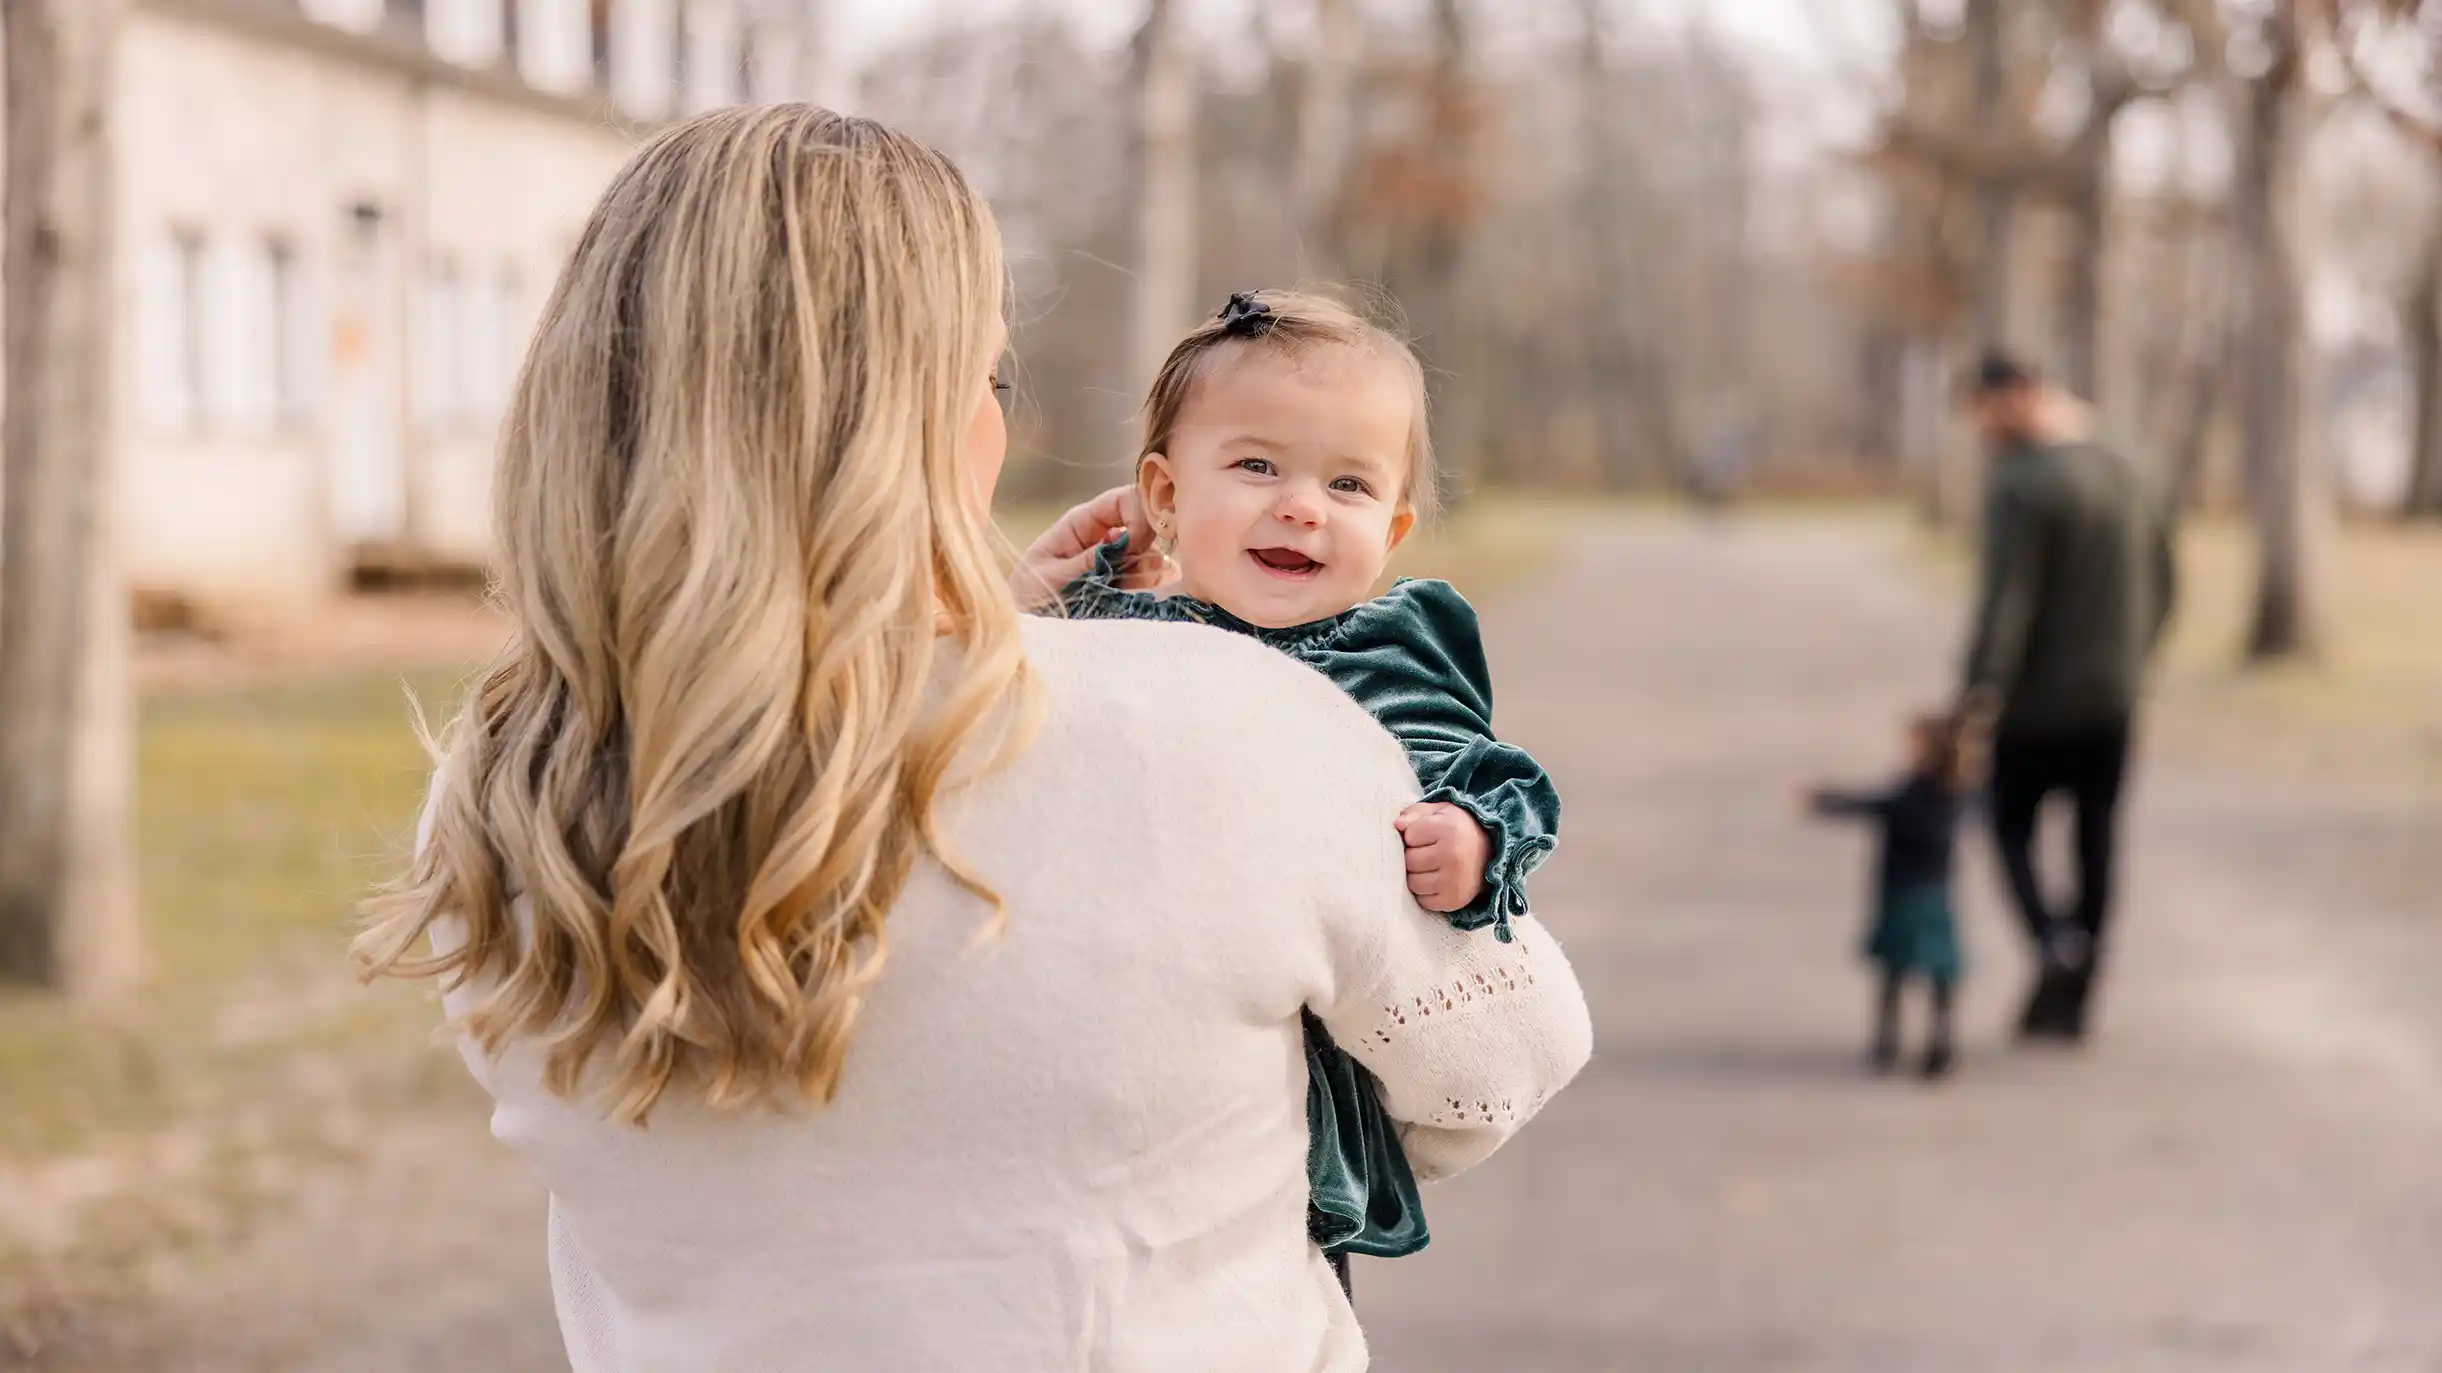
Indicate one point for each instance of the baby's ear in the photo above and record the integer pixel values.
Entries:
(1402, 525)
(1158, 488)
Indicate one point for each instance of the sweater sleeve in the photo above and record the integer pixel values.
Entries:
(1415, 661)
(1466, 1037)
(2007, 587)
(1837, 803)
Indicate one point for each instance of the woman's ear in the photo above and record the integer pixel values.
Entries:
(1160, 493)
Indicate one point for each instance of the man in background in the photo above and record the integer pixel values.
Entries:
(2077, 583)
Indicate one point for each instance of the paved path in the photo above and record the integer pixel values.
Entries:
(2243, 1175)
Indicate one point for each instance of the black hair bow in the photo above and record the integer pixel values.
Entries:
(1245, 316)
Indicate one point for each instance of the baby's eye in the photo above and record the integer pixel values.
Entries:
(1352, 486)
(1261, 467)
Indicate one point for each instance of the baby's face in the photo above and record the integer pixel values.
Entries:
(1283, 490)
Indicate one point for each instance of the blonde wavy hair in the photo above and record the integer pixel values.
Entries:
(735, 534)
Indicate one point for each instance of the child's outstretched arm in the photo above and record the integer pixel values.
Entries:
(1836, 803)
(1490, 813)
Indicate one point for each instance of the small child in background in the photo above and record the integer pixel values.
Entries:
(1285, 456)
(1914, 935)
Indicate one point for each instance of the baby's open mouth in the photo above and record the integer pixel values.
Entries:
(1285, 562)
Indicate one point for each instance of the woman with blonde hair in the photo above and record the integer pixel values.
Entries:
(880, 980)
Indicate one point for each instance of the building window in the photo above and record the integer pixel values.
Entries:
(554, 43)
(169, 329)
(709, 71)
(465, 346)
(486, 309)
(470, 33)
(361, 16)
(288, 334)
(439, 371)
(644, 56)
(238, 325)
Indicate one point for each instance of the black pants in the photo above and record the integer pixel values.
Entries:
(2028, 769)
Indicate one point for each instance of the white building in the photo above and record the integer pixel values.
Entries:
(338, 221)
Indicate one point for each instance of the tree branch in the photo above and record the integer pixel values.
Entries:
(1969, 157)
(2418, 128)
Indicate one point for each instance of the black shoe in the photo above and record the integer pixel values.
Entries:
(2051, 1010)
(1883, 1058)
(1937, 1061)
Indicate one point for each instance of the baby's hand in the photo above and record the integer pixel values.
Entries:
(1447, 851)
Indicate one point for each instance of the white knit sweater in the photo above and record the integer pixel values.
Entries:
(1082, 1146)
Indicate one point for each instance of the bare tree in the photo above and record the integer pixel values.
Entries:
(2111, 83)
(1424, 186)
(2285, 493)
(1166, 84)
(1045, 122)
(1996, 192)
(66, 905)
(2420, 301)
(2420, 308)
(1608, 224)
(1327, 96)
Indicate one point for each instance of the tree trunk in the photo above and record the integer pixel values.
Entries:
(1995, 198)
(2081, 308)
(1430, 285)
(2192, 442)
(1957, 473)
(2204, 357)
(1601, 225)
(2421, 320)
(1166, 187)
(1880, 423)
(1326, 100)
(2283, 493)
(66, 907)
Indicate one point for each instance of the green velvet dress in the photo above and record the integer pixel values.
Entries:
(1414, 659)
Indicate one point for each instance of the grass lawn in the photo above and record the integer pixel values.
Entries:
(2372, 695)
(2369, 700)
(264, 813)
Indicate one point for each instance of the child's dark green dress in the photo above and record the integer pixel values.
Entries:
(1414, 658)
(1913, 932)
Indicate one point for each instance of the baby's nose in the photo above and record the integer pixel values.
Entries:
(1299, 507)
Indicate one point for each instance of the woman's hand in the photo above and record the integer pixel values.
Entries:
(1066, 550)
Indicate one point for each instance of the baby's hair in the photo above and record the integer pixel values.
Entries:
(1292, 324)
(1953, 746)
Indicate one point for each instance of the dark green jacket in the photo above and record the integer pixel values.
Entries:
(1414, 659)
(2078, 580)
